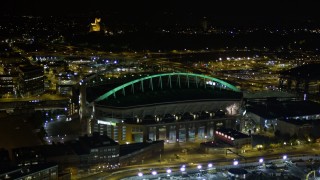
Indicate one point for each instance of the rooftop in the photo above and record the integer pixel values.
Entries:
(305, 71)
(268, 94)
(232, 133)
(284, 109)
(17, 172)
(130, 148)
(86, 143)
(169, 96)
(301, 122)
(79, 147)
(44, 150)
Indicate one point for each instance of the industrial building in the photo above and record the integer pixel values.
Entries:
(86, 152)
(281, 115)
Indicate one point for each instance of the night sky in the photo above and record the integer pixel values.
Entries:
(136, 7)
(223, 12)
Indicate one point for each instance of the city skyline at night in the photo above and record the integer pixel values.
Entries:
(159, 89)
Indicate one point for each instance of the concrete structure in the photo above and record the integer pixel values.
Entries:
(174, 107)
(265, 114)
(88, 151)
(298, 128)
(21, 80)
(29, 105)
(213, 147)
(8, 85)
(136, 153)
(97, 149)
(31, 80)
(170, 132)
(232, 137)
(36, 172)
(304, 80)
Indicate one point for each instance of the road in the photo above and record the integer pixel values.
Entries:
(193, 158)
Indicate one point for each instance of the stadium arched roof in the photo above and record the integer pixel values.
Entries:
(150, 77)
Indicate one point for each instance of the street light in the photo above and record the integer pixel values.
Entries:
(284, 157)
(235, 163)
(210, 165)
(140, 174)
(199, 166)
(261, 160)
(169, 171)
(154, 173)
(183, 168)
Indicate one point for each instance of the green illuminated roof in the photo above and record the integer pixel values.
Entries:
(112, 91)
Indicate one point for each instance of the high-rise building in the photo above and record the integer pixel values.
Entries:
(31, 80)
(95, 27)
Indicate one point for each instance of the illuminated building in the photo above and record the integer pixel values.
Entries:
(95, 27)
(37, 172)
(175, 107)
(8, 85)
(66, 80)
(284, 115)
(82, 153)
(31, 80)
(232, 137)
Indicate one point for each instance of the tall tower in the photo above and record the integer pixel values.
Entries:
(95, 27)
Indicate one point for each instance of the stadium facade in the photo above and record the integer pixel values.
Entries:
(175, 107)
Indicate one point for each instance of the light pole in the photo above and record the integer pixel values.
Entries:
(261, 161)
(183, 169)
(154, 173)
(235, 162)
(284, 157)
(210, 168)
(169, 172)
